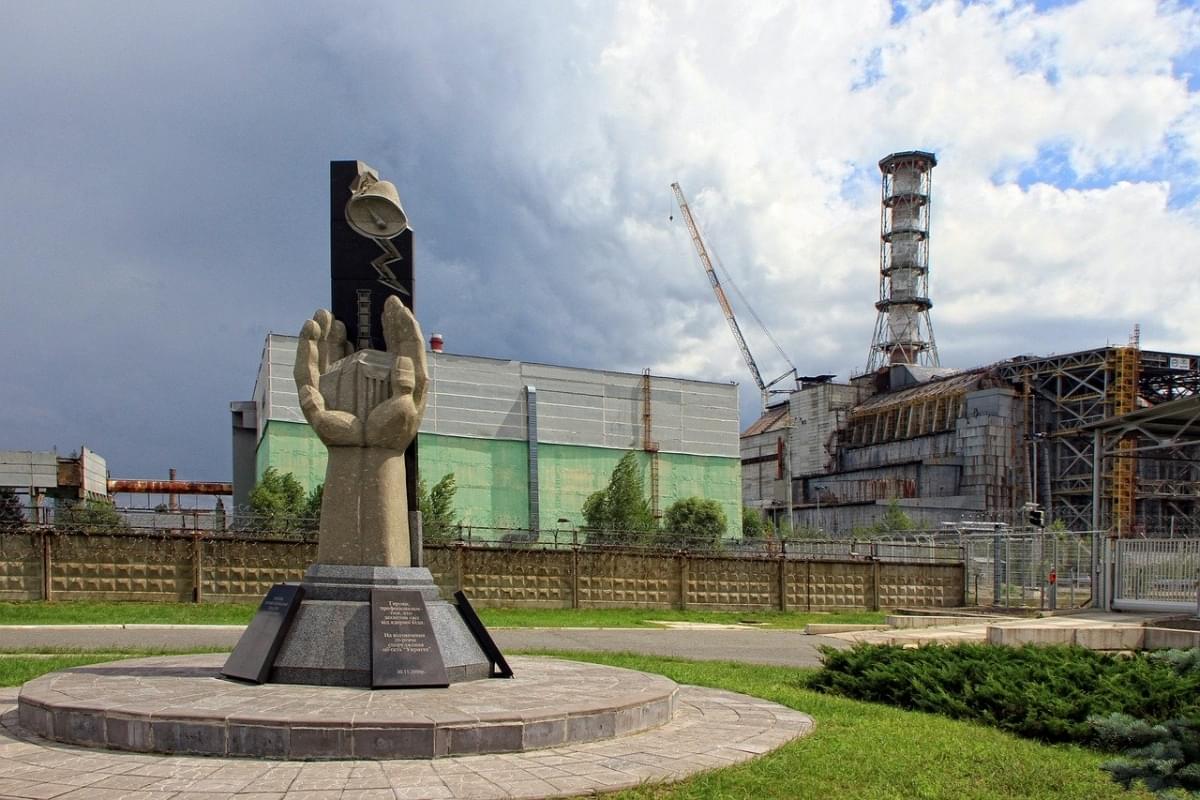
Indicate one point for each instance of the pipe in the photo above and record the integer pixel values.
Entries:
(135, 486)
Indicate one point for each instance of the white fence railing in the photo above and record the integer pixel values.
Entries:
(1154, 574)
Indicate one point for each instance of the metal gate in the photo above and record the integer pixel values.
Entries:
(1013, 569)
(1153, 575)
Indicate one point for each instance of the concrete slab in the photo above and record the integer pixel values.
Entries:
(906, 621)
(826, 628)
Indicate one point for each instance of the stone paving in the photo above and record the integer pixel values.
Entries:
(181, 705)
(710, 729)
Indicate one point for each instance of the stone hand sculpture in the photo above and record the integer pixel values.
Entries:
(366, 407)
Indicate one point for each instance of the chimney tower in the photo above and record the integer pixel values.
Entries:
(903, 332)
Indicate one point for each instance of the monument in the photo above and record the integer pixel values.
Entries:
(310, 677)
(366, 613)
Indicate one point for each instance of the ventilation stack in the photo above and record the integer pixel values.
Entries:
(903, 332)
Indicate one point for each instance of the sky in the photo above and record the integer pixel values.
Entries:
(164, 178)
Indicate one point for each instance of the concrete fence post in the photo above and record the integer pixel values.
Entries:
(783, 583)
(808, 585)
(197, 567)
(47, 565)
(458, 566)
(875, 574)
(683, 581)
(575, 576)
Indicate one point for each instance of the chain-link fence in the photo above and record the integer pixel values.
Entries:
(1050, 570)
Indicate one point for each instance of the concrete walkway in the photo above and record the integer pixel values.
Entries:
(1047, 630)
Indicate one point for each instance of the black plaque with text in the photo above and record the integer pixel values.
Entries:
(404, 651)
(500, 668)
(254, 655)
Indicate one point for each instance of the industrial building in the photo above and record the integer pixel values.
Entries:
(527, 443)
(39, 476)
(978, 444)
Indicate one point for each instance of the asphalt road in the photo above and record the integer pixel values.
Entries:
(775, 647)
(754, 646)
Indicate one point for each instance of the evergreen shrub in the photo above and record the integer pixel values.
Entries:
(1044, 693)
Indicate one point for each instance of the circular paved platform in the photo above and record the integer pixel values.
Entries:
(710, 729)
(181, 705)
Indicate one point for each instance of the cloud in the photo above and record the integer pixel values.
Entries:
(166, 177)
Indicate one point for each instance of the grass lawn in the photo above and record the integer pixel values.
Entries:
(859, 750)
(96, 613)
(641, 618)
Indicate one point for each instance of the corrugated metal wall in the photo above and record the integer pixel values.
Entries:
(291, 447)
(485, 398)
(475, 426)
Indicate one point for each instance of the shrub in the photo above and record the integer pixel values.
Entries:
(1045, 693)
(89, 516)
(753, 525)
(619, 513)
(12, 515)
(696, 523)
(1164, 757)
(438, 519)
(279, 502)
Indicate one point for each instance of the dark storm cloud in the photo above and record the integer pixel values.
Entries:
(165, 196)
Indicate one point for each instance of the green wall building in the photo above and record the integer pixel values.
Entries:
(527, 443)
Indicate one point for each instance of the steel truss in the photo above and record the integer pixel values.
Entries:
(1067, 395)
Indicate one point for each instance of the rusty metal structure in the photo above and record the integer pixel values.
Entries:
(903, 330)
(142, 486)
(1065, 396)
(649, 446)
(983, 444)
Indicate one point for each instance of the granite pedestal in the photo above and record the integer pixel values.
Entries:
(329, 641)
(181, 705)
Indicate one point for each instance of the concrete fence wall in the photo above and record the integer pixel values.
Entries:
(57, 566)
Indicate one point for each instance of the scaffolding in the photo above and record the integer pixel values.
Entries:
(1071, 391)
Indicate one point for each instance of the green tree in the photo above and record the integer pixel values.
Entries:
(619, 513)
(278, 500)
(894, 519)
(438, 519)
(312, 507)
(11, 513)
(89, 516)
(754, 527)
(695, 523)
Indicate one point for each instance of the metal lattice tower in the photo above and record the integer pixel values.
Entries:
(903, 332)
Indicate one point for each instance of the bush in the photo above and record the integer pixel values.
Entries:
(754, 527)
(1163, 757)
(280, 503)
(1045, 693)
(438, 519)
(696, 523)
(12, 515)
(619, 513)
(89, 516)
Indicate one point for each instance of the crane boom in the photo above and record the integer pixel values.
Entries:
(702, 251)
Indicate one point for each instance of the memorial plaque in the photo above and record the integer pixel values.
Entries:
(254, 655)
(500, 668)
(404, 651)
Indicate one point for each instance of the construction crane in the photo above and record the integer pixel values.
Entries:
(765, 389)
